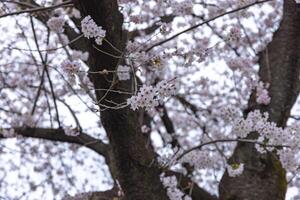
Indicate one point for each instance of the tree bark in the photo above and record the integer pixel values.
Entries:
(132, 153)
(263, 177)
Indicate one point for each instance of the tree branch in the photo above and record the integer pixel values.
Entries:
(227, 141)
(152, 28)
(32, 10)
(59, 135)
(203, 23)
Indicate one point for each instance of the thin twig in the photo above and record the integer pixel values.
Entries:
(46, 70)
(203, 23)
(229, 140)
(32, 10)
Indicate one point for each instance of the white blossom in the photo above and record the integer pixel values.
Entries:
(235, 34)
(174, 193)
(70, 67)
(229, 113)
(145, 98)
(132, 47)
(235, 169)
(148, 97)
(181, 8)
(56, 24)
(165, 88)
(262, 94)
(90, 29)
(133, 102)
(242, 64)
(288, 159)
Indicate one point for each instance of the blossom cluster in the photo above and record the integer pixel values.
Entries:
(90, 29)
(148, 97)
(56, 24)
(154, 61)
(229, 113)
(270, 135)
(168, 156)
(181, 8)
(198, 159)
(254, 122)
(235, 34)
(71, 69)
(244, 12)
(262, 94)
(239, 63)
(235, 169)
(174, 193)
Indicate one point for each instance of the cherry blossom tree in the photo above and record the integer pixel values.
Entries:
(150, 99)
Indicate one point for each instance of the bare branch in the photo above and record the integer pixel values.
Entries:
(32, 10)
(59, 135)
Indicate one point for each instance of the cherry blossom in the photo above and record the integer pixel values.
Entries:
(91, 30)
(235, 169)
(56, 24)
(211, 49)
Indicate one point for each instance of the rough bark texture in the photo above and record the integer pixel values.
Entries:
(264, 177)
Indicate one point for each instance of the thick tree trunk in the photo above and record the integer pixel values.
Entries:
(132, 153)
(264, 177)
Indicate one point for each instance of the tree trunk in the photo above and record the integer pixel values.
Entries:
(132, 153)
